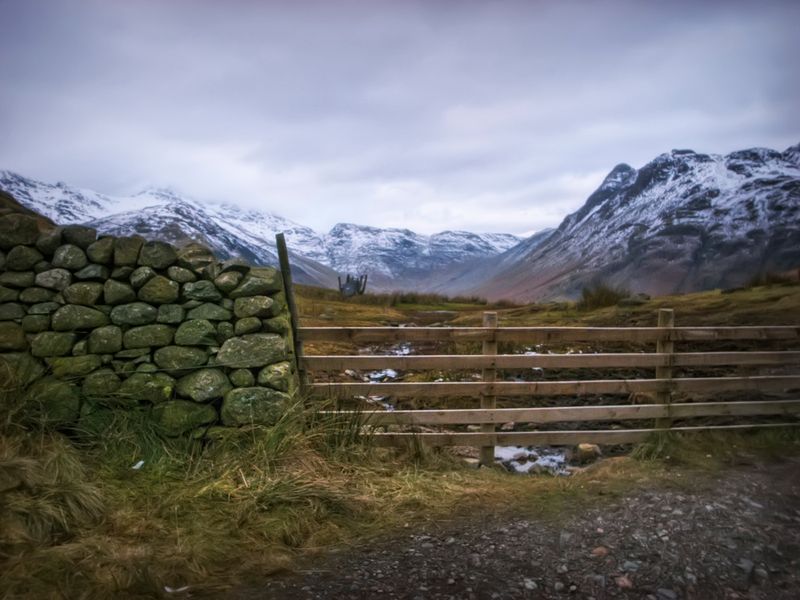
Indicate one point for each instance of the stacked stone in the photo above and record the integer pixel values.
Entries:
(99, 323)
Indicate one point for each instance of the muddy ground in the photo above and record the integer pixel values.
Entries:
(735, 535)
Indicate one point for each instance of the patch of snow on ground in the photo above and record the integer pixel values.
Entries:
(524, 460)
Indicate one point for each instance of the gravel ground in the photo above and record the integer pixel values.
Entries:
(737, 536)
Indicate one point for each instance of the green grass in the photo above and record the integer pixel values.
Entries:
(77, 520)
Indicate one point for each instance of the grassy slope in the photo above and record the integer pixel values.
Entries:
(80, 521)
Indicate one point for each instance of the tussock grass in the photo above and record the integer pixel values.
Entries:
(600, 295)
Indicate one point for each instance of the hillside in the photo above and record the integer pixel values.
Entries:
(684, 222)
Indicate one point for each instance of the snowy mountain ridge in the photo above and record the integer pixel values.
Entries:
(390, 256)
(685, 221)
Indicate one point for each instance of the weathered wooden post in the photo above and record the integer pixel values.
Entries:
(665, 345)
(489, 400)
(288, 288)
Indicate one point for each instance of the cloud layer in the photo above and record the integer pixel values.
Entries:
(487, 116)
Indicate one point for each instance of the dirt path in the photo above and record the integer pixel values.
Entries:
(737, 536)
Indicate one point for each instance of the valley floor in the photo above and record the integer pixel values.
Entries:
(733, 535)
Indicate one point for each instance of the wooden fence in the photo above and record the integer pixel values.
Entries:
(665, 360)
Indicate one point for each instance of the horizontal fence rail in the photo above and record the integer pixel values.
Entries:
(743, 374)
(558, 388)
(540, 416)
(549, 361)
(544, 334)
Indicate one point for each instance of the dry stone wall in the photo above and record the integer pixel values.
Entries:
(89, 326)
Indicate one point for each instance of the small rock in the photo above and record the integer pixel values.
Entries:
(623, 582)
(558, 586)
(600, 552)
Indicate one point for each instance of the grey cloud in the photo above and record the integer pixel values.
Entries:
(473, 115)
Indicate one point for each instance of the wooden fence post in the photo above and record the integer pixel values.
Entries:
(490, 376)
(665, 345)
(288, 288)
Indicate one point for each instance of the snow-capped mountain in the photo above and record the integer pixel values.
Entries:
(685, 221)
(393, 258)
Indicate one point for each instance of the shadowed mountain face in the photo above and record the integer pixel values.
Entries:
(685, 221)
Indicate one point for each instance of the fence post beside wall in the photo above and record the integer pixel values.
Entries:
(288, 288)
(490, 376)
(665, 345)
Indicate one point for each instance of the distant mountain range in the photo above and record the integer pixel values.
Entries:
(685, 221)
(393, 258)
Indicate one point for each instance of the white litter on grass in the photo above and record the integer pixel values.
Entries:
(170, 590)
(383, 375)
(138, 465)
(523, 460)
(403, 349)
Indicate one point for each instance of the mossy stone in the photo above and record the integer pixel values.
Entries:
(54, 279)
(135, 313)
(180, 274)
(87, 293)
(17, 230)
(196, 332)
(35, 323)
(253, 306)
(179, 417)
(12, 337)
(101, 383)
(159, 290)
(277, 376)
(126, 250)
(48, 241)
(148, 335)
(22, 258)
(247, 325)
(17, 279)
(253, 406)
(268, 281)
(80, 348)
(225, 331)
(204, 385)
(92, 272)
(195, 257)
(116, 292)
(141, 275)
(204, 291)
(227, 282)
(43, 308)
(105, 340)
(11, 295)
(280, 325)
(69, 257)
(242, 378)
(147, 387)
(172, 314)
(122, 273)
(210, 312)
(253, 350)
(179, 358)
(51, 343)
(101, 251)
(10, 311)
(74, 366)
(79, 235)
(34, 295)
(158, 255)
(73, 317)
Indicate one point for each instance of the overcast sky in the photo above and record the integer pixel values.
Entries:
(485, 116)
